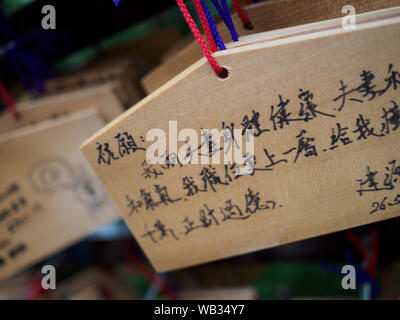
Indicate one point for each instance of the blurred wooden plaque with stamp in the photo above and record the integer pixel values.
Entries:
(49, 197)
(323, 104)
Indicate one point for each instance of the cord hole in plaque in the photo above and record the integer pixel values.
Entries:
(248, 26)
(224, 74)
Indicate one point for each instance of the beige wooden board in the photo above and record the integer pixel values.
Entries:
(311, 193)
(91, 284)
(102, 97)
(264, 16)
(13, 288)
(49, 196)
(227, 293)
(106, 71)
(122, 71)
(147, 50)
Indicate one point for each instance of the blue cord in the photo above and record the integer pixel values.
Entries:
(226, 17)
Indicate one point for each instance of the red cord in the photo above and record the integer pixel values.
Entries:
(375, 252)
(356, 242)
(372, 259)
(141, 268)
(34, 289)
(192, 25)
(8, 100)
(242, 14)
(205, 25)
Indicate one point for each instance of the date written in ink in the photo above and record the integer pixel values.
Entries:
(385, 203)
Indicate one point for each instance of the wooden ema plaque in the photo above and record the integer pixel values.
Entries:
(103, 97)
(324, 109)
(49, 197)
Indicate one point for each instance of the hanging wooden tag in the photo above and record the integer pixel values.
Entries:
(49, 198)
(324, 110)
(122, 71)
(265, 16)
(92, 75)
(103, 97)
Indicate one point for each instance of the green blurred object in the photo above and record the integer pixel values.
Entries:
(137, 282)
(167, 19)
(300, 280)
(78, 59)
(12, 6)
